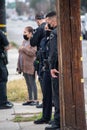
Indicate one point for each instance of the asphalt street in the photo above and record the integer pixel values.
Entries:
(84, 54)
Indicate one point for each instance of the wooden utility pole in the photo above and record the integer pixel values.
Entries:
(72, 105)
(2, 16)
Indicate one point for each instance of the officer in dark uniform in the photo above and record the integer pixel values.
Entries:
(53, 59)
(39, 32)
(47, 87)
(38, 35)
(4, 103)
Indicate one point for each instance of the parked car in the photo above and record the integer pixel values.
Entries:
(84, 26)
(23, 18)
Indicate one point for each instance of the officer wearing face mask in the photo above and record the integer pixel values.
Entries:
(47, 88)
(54, 69)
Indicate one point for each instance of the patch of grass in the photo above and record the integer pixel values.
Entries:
(13, 44)
(17, 90)
(20, 118)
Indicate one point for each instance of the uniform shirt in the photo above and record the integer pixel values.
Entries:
(38, 35)
(3, 41)
(53, 53)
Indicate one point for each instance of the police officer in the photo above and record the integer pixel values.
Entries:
(39, 31)
(53, 59)
(38, 35)
(4, 45)
(47, 87)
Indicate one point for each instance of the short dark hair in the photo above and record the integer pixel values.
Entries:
(39, 16)
(51, 14)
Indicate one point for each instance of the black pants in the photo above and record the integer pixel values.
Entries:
(40, 74)
(47, 95)
(3, 82)
(55, 86)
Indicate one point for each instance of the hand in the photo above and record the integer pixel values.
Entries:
(19, 72)
(47, 28)
(20, 48)
(54, 73)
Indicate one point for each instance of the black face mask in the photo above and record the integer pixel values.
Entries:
(47, 32)
(25, 37)
(51, 28)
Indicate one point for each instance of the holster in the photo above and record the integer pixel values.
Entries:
(3, 57)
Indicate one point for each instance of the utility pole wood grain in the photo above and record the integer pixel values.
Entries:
(72, 105)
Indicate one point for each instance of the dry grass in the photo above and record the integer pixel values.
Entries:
(17, 91)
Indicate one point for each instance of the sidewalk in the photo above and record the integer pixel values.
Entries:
(7, 115)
